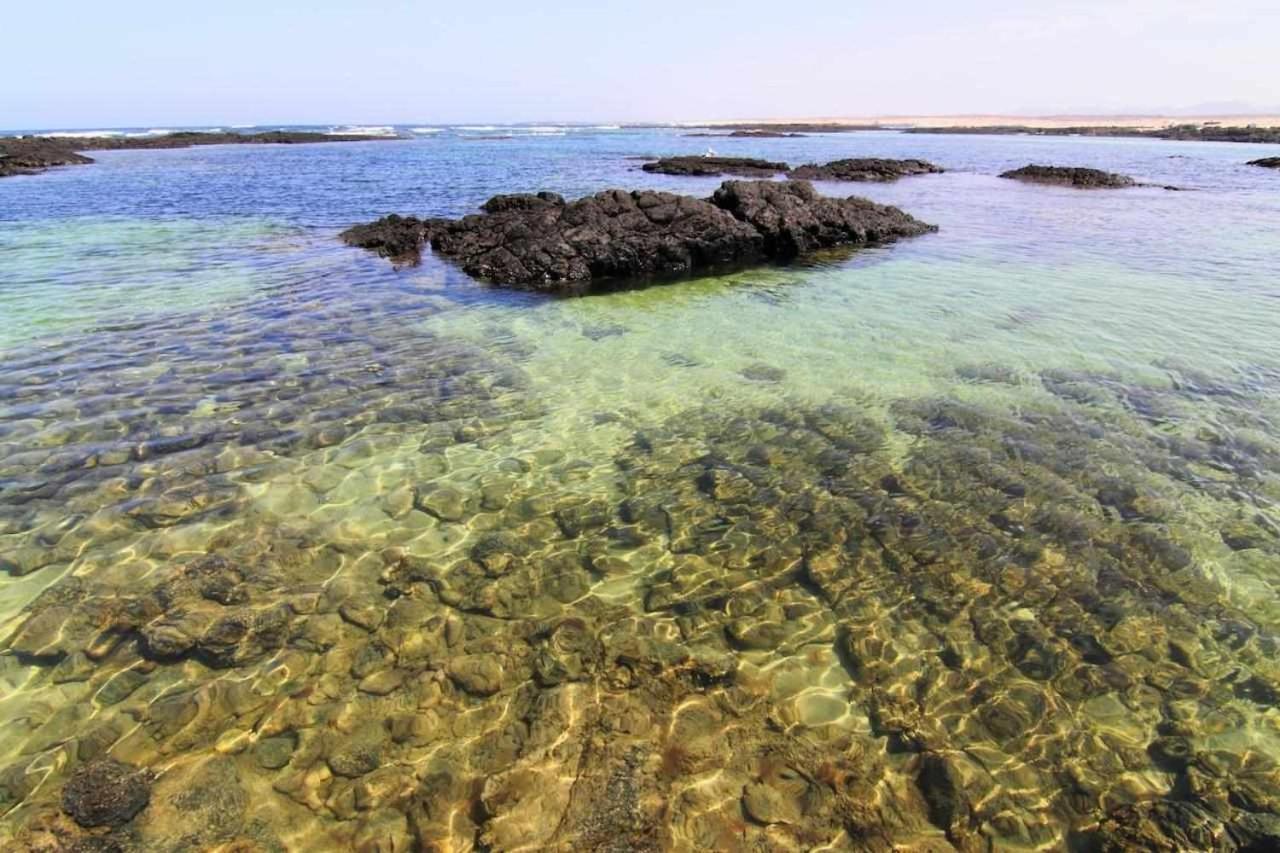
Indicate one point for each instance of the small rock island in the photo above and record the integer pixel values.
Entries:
(1266, 162)
(697, 165)
(1070, 176)
(877, 169)
(542, 242)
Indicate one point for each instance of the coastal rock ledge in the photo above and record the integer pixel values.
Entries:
(1070, 176)
(541, 242)
(876, 169)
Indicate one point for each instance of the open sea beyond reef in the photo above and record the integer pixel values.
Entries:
(969, 541)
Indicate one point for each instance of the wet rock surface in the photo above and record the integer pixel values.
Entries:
(713, 166)
(541, 242)
(1266, 162)
(864, 169)
(1070, 176)
(396, 237)
(106, 793)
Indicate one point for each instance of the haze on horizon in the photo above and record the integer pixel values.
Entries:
(142, 63)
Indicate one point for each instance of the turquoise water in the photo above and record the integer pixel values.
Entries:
(968, 541)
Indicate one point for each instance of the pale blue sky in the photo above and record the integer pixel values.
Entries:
(151, 63)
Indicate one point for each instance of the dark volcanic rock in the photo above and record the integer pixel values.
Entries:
(798, 127)
(1070, 176)
(1266, 162)
(542, 242)
(751, 134)
(864, 169)
(106, 792)
(29, 155)
(700, 166)
(25, 155)
(395, 237)
(795, 219)
(189, 138)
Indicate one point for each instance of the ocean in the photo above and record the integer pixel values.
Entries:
(969, 541)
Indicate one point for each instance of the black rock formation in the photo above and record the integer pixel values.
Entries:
(541, 242)
(1070, 176)
(701, 166)
(864, 169)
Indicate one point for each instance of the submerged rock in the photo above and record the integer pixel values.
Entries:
(1161, 825)
(864, 169)
(701, 166)
(1070, 176)
(106, 792)
(541, 242)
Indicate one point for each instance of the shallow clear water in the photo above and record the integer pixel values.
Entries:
(970, 540)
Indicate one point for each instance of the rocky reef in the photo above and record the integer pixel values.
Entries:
(998, 638)
(711, 166)
(541, 242)
(850, 169)
(1266, 162)
(1070, 176)
(751, 134)
(25, 155)
(31, 155)
(793, 127)
(864, 169)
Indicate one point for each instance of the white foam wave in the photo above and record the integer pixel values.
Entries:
(363, 130)
(477, 127)
(85, 134)
(426, 129)
(605, 127)
(155, 131)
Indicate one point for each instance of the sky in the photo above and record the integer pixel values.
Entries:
(148, 63)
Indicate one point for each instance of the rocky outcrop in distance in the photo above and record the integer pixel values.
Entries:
(751, 134)
(864, 169)
(1266, 162)
(1070, 176)
(28, 155)
(794, 127)
(851, 169)
(696, 165)
(543, 243)
(1192, 132)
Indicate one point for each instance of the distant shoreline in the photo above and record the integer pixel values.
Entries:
(995, 120)
(1251, 129)
(31, 155)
